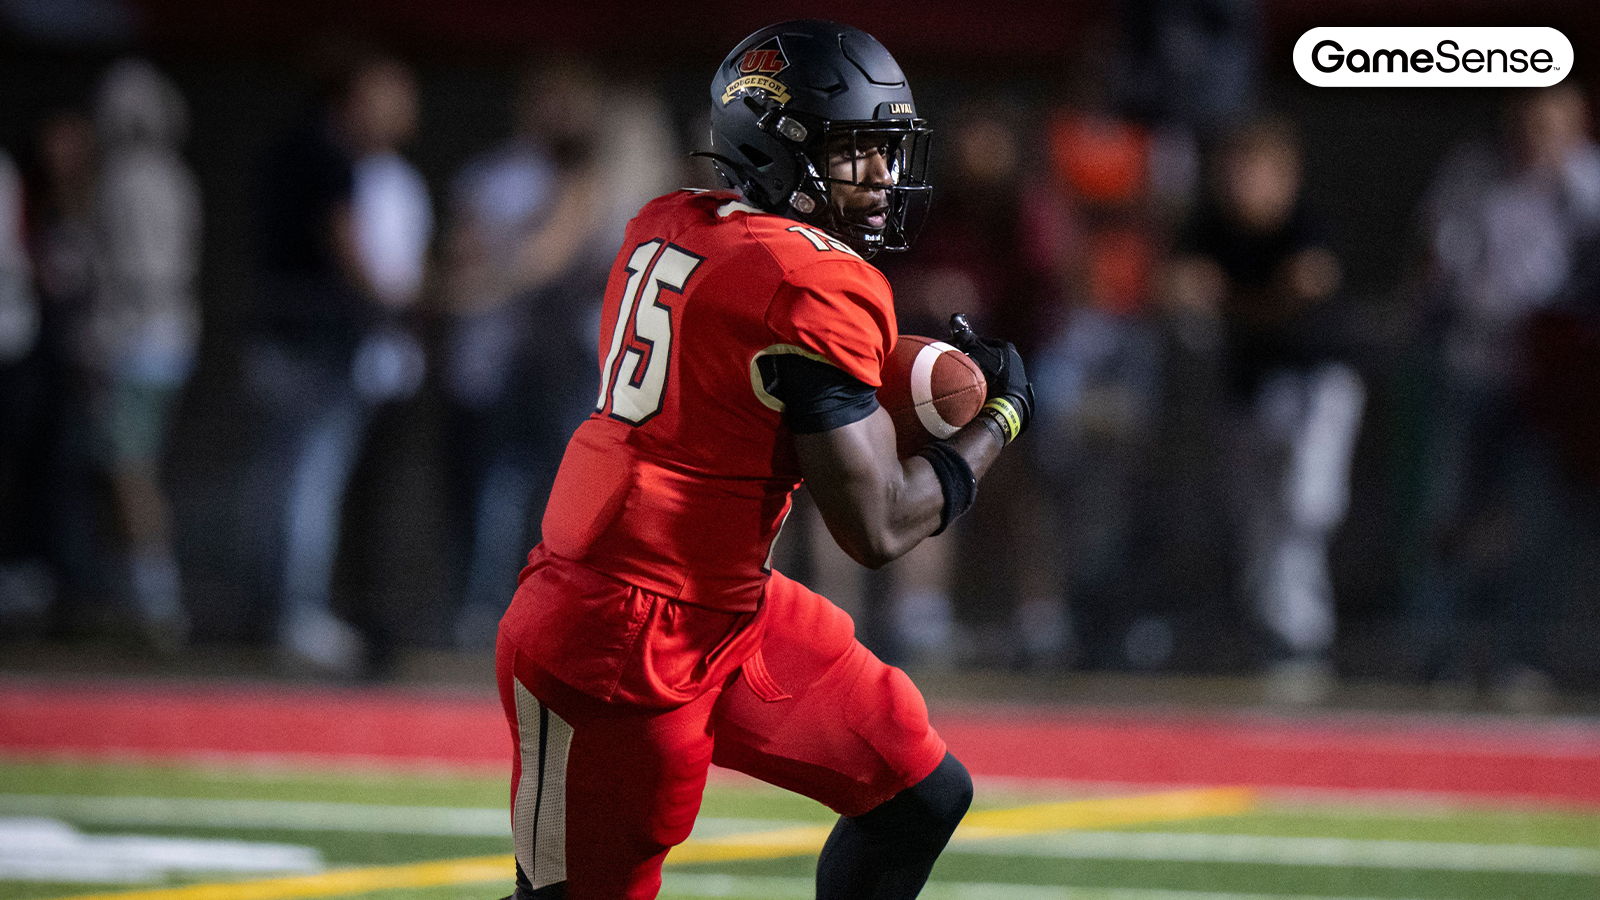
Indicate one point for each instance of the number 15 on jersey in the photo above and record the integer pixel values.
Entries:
(634, 384)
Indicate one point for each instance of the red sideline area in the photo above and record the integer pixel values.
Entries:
(1505, 759)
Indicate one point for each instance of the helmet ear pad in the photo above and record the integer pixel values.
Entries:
(746, 157)
(805, 139)
(777, 165)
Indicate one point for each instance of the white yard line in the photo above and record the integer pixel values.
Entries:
(1292, 851)
(1405, 800)
(1126, 845)
(684, 884)
(286, 815)
(272, 814)
(41, 849)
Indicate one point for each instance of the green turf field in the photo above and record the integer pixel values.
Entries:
(90, 829)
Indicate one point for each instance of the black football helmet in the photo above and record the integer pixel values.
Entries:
(791, 93)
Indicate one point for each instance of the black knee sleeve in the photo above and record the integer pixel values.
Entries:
(886, 854)
(932, 807)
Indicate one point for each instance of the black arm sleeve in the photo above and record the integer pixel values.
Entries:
(816, 396)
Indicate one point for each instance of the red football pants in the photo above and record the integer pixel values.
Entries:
(602, 790)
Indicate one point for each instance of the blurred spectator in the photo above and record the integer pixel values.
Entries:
(24, 582)
(1188, 71)
(1506, 224)
(346, 224)
(1094, 226)
(1190, 63)
(19, 309)
(1256, 261)
(61, 237)
(144, 324)
(532, 233)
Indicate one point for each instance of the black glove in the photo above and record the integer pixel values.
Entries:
(1010, 403)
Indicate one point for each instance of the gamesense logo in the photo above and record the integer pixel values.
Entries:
(1433, 57)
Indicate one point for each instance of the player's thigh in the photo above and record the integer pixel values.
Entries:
(600, 792)
(817, 713)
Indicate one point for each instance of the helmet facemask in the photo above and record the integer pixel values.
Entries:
(866, 182)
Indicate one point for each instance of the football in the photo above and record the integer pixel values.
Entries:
(930, 389)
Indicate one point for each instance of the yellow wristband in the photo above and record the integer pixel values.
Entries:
(1004, 413)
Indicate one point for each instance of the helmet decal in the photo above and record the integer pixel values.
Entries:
(756, 68)
(767, 59)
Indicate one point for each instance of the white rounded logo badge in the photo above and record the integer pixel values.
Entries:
(1433, 56)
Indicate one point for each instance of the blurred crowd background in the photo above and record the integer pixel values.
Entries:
(298, 301)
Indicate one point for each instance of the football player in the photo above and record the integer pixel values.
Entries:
(741, 342)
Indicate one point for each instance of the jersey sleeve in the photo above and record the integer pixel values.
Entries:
(816, 396)
(840, 312)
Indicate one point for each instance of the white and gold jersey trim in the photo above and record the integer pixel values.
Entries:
(539, 811)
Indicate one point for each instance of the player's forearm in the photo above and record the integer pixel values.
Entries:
(878, 507)
(926, 503)
(907, 514)
(979, 443)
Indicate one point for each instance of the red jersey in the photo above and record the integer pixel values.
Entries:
(680, 479)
